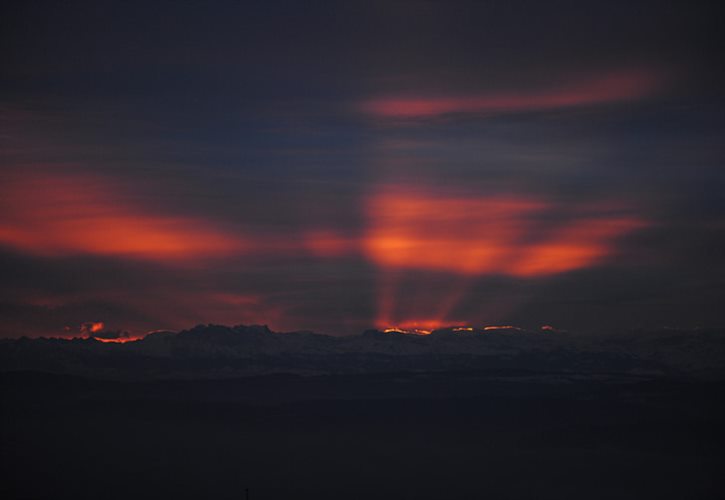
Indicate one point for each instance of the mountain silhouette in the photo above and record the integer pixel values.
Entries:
(217, 351)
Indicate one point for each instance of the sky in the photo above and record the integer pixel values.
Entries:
(337, 166)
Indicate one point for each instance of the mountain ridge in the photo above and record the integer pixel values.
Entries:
(218, 351)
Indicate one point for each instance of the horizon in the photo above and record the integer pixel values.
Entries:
(100, 333)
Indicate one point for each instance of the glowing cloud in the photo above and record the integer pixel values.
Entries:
(92, 327)
(418, 327)
(72, 214)
(609, 87)
(496, 235)
(425, 231)
(575, 245)
(465, 236)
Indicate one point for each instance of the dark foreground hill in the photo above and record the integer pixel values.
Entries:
(453, 435)
(508, 414)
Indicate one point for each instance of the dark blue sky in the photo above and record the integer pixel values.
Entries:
(335, 166)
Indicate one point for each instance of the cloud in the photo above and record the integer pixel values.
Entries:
(54, 214)
(502, 234)
(446, 240)
(91, 327)
(604, 88)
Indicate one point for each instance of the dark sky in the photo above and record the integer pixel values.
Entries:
(336, 166)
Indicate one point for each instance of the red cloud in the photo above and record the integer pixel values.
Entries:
(468, 237)
(610, 87)
(92, 327)
(72, 214)
(494, 235)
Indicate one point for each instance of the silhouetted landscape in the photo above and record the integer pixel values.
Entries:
(214, 410)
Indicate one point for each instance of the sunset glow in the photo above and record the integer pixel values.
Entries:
(411, 330)
(72, 214)
(406, 229)
(417, 327)
(93, 327)
(501, 235)
(414, 331)
(120, 340)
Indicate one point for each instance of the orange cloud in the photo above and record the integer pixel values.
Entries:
(468, 237)
(610, 87)
(575, 245)
(506, 235)
(72, 214)
(92, 327)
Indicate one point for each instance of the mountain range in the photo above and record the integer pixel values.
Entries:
(216, 351)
